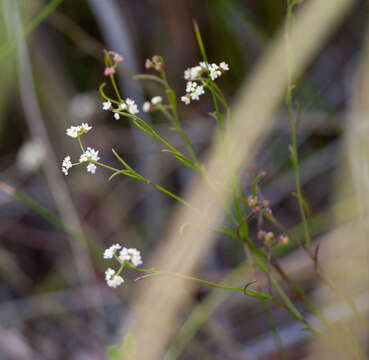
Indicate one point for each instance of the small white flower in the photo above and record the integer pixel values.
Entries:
(66, 165)
(146, 107)
(112, 279)
(123, 106)
(132, 107)
(109, 273)
(132, 255)
(195, 95)
(214, 71)
(190, 86)
(156, 100)
(193, 73)
(123, 255)
(109, 252)
(116, 116)
(186, 99)
(91, 168)
(115, 281)
(94, 154)
(135, 257)
(224, 66)
(73, 131)
(106, 105)
(85, 127)
(89, 154)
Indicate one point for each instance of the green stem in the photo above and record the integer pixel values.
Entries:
(80, 143)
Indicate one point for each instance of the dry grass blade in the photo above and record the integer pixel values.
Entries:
(347, 247)
(153, 316)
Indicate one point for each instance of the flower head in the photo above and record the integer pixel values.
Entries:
(73, 131)
(106, 105)
(252, 200)
(224, 66)
(109, 71)
(116, 116)
(117, 57)
(85, 128)
(132, 107)
(146, 107)
(156, 100)
(131, 255)
(109, 252)
(91, 168)
(112, 279)
(90, 155)
(66, 165)
(193, 92)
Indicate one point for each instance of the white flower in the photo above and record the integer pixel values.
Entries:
(112, 279)
(123, 106)
(109, 252)
(186, 99)
(66, 165)
(214, 71)
(156, 100)
(89, 154)
(109, 273)
(190, 86)
(73, 131)
(116, 116)
(106, 105)
(193, 90)
(85, 127)
(197, 92)
(132, 107)
(91, 168)
(193, 73)
(115, 281)
(224, 66)
(146, 106)
(132, 255)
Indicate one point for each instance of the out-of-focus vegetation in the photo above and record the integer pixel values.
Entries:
(54, 303)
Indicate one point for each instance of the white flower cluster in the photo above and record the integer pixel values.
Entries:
(109, 252)
(66, 165)
(128, 105)
(112, 279)
(90, 155)
(131, 255)
(75, 131)
(193, 92)
(193, 89)
(148, 106)
(196, 72)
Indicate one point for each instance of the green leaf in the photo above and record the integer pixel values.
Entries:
(254, 293)
(143, 126)
(123, 172)
(257, 294)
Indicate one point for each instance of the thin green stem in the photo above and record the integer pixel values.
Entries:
(80, 143)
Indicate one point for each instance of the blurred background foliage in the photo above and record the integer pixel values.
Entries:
(51, 306)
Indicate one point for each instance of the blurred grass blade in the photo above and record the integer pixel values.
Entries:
(40, 17)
